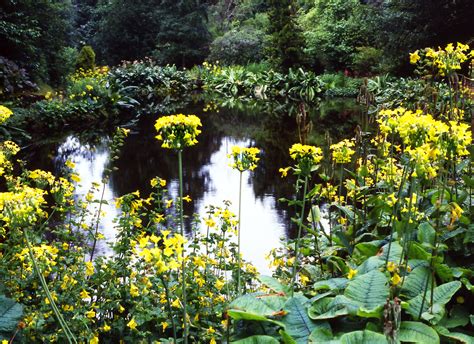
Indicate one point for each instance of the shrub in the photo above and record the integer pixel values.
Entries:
(86, 58)
(366, 60)
(238, 46)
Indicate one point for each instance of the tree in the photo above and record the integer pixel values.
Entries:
(333, 31)
(183, 38)
(173, 31)
(286, 44)
(406, 25)
(34, 33)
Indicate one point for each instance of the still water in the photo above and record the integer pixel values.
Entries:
(208, 179)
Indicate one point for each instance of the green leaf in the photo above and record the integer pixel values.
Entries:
(297, 322)
(322, 336)
(365, 250)
(257, 340)
(426, 233)
(442, 295)
(459, 337)
(369, 290)
(443, 271)
(241, 315)
(415, 282)
(417, 332)
(458, 316)
(363, 337)
(10, 314)
(259, 304)
(331, 284)
(273, 284)
(287, 339)
(325, 309)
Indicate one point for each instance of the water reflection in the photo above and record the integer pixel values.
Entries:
(208, 178)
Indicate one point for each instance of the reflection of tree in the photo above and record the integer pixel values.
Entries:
(142, 159)
(270, 126)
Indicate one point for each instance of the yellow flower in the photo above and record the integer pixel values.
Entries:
(395, 279)
(187, 198)
(414, 57)
(84, 294)
(342, 151)
(178, 131)
(5, 113)
(210, 330)
(70, 164)
(75, 178)
(132, 324)
(244, 159)
(134, 290)
(90, 314)
(89, 269)
(164, 325)
(106, 328)
(210, 222)
(391, 266)
(176, 303)
(284, 171)
(306, 157)
(94, 340)
(352, 274)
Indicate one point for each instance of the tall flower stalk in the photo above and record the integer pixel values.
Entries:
(177, 132)
(243, 159)
(306, 159)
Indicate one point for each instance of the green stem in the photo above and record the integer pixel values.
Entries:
(168, 304)
(183, 253)
(69, 335)
(98, 220)
(297, 244)
(238, 236)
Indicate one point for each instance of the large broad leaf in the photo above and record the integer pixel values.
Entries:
(441, 296)
(274, 284)
(370, 290)
(331, 284)
(395, 252)
(10, 314)
(297, 322)
(417, 332)
(257, 340)
(426, 233)
(416, 281)
(325, 309)
(363, 337)
(458, 337)
(323, 336)
(259, 303)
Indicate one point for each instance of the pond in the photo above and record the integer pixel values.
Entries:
(208, 178)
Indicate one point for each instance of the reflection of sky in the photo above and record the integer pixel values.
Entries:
(260, 226)
(90, 167)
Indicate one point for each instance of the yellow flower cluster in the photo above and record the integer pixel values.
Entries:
(243, 158)
(426, 139)
(306, 157)
(96, 73)
(342, 151)
(7, 150)
(163, 252)
(22, 207)
(5, 113)
(445, 60)
(45, 254)
(178, 131)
